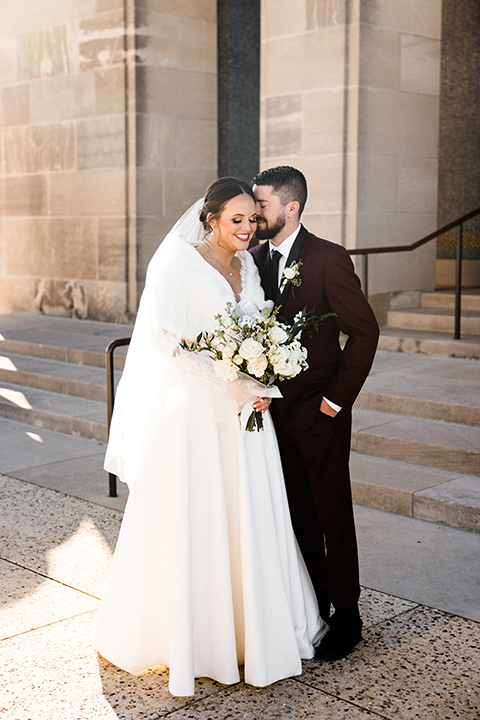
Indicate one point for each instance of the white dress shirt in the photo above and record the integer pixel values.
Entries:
(284, 250)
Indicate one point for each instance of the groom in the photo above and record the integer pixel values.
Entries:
(313, 419)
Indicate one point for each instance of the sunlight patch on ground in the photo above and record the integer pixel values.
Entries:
(6, 363)
(15, 397)
(87, 545)
(34, 436)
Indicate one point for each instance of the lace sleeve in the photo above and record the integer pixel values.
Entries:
(200, 367)
(197, 365)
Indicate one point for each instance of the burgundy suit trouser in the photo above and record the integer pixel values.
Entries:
(317, 478)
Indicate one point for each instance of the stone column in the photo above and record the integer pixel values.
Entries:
(350, 97)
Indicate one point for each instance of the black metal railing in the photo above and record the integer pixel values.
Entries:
(109, 365)
(365, 252)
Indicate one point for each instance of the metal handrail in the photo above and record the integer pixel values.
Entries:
(109, 365)
(407, 248)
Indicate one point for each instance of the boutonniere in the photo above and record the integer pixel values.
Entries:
(291, 274)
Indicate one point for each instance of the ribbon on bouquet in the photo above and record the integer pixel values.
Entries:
(244, 390)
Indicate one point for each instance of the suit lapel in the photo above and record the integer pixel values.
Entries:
(293, 256)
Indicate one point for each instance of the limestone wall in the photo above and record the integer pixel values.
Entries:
(350, 96)
(107, 132)
(176, 101)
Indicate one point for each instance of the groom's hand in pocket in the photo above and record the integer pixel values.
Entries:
(327, 409)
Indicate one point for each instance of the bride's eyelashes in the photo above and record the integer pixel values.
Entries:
(253, 220)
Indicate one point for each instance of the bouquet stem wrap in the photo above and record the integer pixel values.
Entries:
(244, 390)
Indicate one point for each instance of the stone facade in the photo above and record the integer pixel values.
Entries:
(107, 133)
(350, 97)
(109, 130)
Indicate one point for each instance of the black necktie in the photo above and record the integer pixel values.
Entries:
(274, 260)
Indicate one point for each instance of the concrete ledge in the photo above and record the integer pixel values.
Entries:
(455, 503)
(53, 411)
(419, 407)
(470, 300)
(55, 376)
(416, 491)
(52, 352)
(433, 319)
(403, 341)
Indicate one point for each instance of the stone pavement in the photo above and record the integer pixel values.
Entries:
(420, 603)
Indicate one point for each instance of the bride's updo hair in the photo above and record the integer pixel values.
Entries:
(219, 192)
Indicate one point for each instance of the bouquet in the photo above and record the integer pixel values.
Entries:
(258, 347)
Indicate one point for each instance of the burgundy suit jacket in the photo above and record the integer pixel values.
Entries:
(328, 284)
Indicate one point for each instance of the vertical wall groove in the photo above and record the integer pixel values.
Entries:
(238, 87)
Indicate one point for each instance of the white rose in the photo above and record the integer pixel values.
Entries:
(228, 351)
(289, 273)
(250, 349)
(237, 359)
(277, 334)
(279, 355)
(225, 370)
(280, 368)
(257, 366)
(290, 369)
(296, 351)
(295, 368)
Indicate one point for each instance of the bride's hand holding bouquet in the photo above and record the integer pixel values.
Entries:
(252, 352)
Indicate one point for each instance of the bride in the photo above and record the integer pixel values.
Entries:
(206, 575)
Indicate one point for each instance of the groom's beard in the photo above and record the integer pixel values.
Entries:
(269, 231)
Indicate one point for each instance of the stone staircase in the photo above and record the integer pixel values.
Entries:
(428, 327)
(58, 383)
(416, 431)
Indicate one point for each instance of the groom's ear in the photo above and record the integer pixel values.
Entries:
(293, 207)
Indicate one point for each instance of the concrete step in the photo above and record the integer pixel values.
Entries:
(69, 464)
(429, 343)
(416, 491)
(436, 444)
(434, 319)
(60, 377)
(434, 388)
(470, 300)
(418, 404)
(54, 411)
(63, 339)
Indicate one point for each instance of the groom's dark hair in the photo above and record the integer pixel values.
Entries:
(219, 192)
(287, 182)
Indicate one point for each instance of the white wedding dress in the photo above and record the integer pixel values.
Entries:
(206, 574)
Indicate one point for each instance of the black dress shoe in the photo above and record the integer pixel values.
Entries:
(336, 645)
